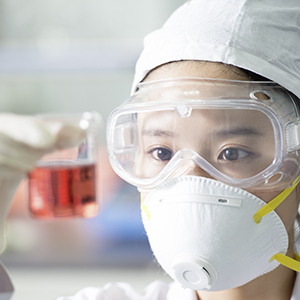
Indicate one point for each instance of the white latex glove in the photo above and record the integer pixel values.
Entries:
(23, 140)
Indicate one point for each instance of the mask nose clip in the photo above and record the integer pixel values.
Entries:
(193, 272)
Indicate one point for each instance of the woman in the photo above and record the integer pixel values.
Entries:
(193, 147)
(210, 138)
(200, 138)
(214, 152)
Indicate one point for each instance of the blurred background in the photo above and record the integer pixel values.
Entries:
(74, 56)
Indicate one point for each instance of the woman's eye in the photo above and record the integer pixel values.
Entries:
(161, 154)
(233, 154)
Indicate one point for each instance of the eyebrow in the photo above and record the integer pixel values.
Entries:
(237, 131)
(158, 132)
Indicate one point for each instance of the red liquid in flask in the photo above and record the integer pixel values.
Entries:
(63, 190)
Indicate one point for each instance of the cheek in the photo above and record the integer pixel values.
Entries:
(288, 211)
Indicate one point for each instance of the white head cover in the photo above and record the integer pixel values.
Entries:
(260, 36)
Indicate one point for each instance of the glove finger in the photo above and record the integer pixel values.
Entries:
(28, 130)
(18, 155)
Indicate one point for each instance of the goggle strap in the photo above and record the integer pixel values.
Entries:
(274, 203)
(288, 262)
(293, 135)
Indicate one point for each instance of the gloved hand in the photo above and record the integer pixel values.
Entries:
(23, 140)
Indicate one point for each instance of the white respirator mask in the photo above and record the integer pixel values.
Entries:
(211, 236)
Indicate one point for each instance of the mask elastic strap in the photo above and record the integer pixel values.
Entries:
(144, 208)
(275, 202)
(284, 260)
(288, 262)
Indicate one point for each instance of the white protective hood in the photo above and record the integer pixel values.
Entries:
(261, 36)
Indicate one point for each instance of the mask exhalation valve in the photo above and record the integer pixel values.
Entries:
(193, 272)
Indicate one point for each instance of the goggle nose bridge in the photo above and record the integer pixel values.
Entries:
(184, 156)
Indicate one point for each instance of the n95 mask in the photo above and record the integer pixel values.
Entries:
(203, 234)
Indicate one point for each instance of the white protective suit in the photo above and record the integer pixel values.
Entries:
(260, 36)
(155, 291)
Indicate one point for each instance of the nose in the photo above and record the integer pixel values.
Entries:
(195, 170)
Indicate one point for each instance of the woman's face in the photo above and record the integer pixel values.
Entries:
(231, 142)
(228, 140)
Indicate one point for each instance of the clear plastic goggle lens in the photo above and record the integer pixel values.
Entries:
(186, 127)
(235, 142)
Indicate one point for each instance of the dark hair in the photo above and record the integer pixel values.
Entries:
(254, 76)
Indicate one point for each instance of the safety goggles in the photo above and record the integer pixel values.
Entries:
(242, 133)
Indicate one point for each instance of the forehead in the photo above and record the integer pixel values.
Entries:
(200, 69)
(219, 122)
